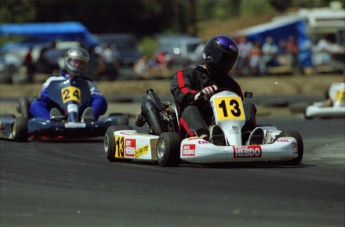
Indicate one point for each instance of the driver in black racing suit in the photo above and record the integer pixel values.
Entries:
(190, 84)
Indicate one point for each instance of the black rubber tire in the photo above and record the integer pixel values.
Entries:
(307, 117)
(300, 147)
(23, 106)
(20, 129)
(109, 141)
(120, 118)
(168, 149)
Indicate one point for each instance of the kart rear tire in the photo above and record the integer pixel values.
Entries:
(120, 118)
(168, 149)
(23, 106)
(109, 141)
(20, 129)
(300, 147)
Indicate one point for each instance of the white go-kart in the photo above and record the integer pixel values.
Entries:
(262, 144)
(333, 106)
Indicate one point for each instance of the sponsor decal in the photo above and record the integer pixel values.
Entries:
(234, 129)
(72, 108)
(188, 150)
(130, 145)
(75, 125)
(283, 140)
(251, 151)
(203, 142)
(127, 132)
(141, 151)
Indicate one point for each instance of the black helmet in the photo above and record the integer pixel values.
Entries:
(220, 54)
(77, 54)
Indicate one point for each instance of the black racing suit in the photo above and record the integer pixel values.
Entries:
(196, 116)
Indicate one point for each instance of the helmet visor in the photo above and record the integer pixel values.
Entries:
(77, 64)
(222, 58)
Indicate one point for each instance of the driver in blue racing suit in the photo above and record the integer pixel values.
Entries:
(76, 61)
(189, 84)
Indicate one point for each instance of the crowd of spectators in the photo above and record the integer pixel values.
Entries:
(257, 58)
(254, 59)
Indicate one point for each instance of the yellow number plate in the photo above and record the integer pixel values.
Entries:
(120, 147)
(340, 96)
(229, 108)
(70, 93)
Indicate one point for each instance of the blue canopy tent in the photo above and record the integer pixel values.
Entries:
(281, 30)
(45, 32)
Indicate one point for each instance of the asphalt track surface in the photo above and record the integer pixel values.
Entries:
(73, 184)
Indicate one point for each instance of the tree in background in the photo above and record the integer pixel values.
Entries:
(142, 17)
(17, 11)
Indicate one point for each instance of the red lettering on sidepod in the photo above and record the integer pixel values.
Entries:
(130, 146)
(188, 150)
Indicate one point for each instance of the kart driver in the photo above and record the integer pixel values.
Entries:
(76, 61)
(190, 84)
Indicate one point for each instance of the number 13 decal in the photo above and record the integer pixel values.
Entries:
(229, 108)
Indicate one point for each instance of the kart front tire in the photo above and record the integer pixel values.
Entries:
(168, 149)
(109, 141)
(300, 147)
(20, 129)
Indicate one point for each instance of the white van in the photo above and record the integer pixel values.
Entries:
(179, 46)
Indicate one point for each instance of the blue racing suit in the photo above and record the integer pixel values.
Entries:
(41, 107)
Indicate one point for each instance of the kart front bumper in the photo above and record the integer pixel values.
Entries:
(200, 151)
(38, 127)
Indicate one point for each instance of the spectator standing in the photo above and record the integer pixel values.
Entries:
(323, 52)
(44, 63)
(283, 57)
(244, 48)
(30, 66)
(141, 66)
(269, 53)
(293, 49)
(255, 60)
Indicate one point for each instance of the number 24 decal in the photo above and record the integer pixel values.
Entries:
(229, 108)
(70, 93)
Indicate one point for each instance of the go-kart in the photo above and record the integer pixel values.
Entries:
(68, 96)
(262, 144)
(333, 106)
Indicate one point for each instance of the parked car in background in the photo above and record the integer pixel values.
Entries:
(123, 47)
(9, 67)
(179, 47)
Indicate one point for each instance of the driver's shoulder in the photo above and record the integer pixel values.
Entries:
(53, 78)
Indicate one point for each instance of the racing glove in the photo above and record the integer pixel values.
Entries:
(205, 92)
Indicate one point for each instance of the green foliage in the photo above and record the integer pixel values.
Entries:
(147, 46)
(257, 7)
(19, 11)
